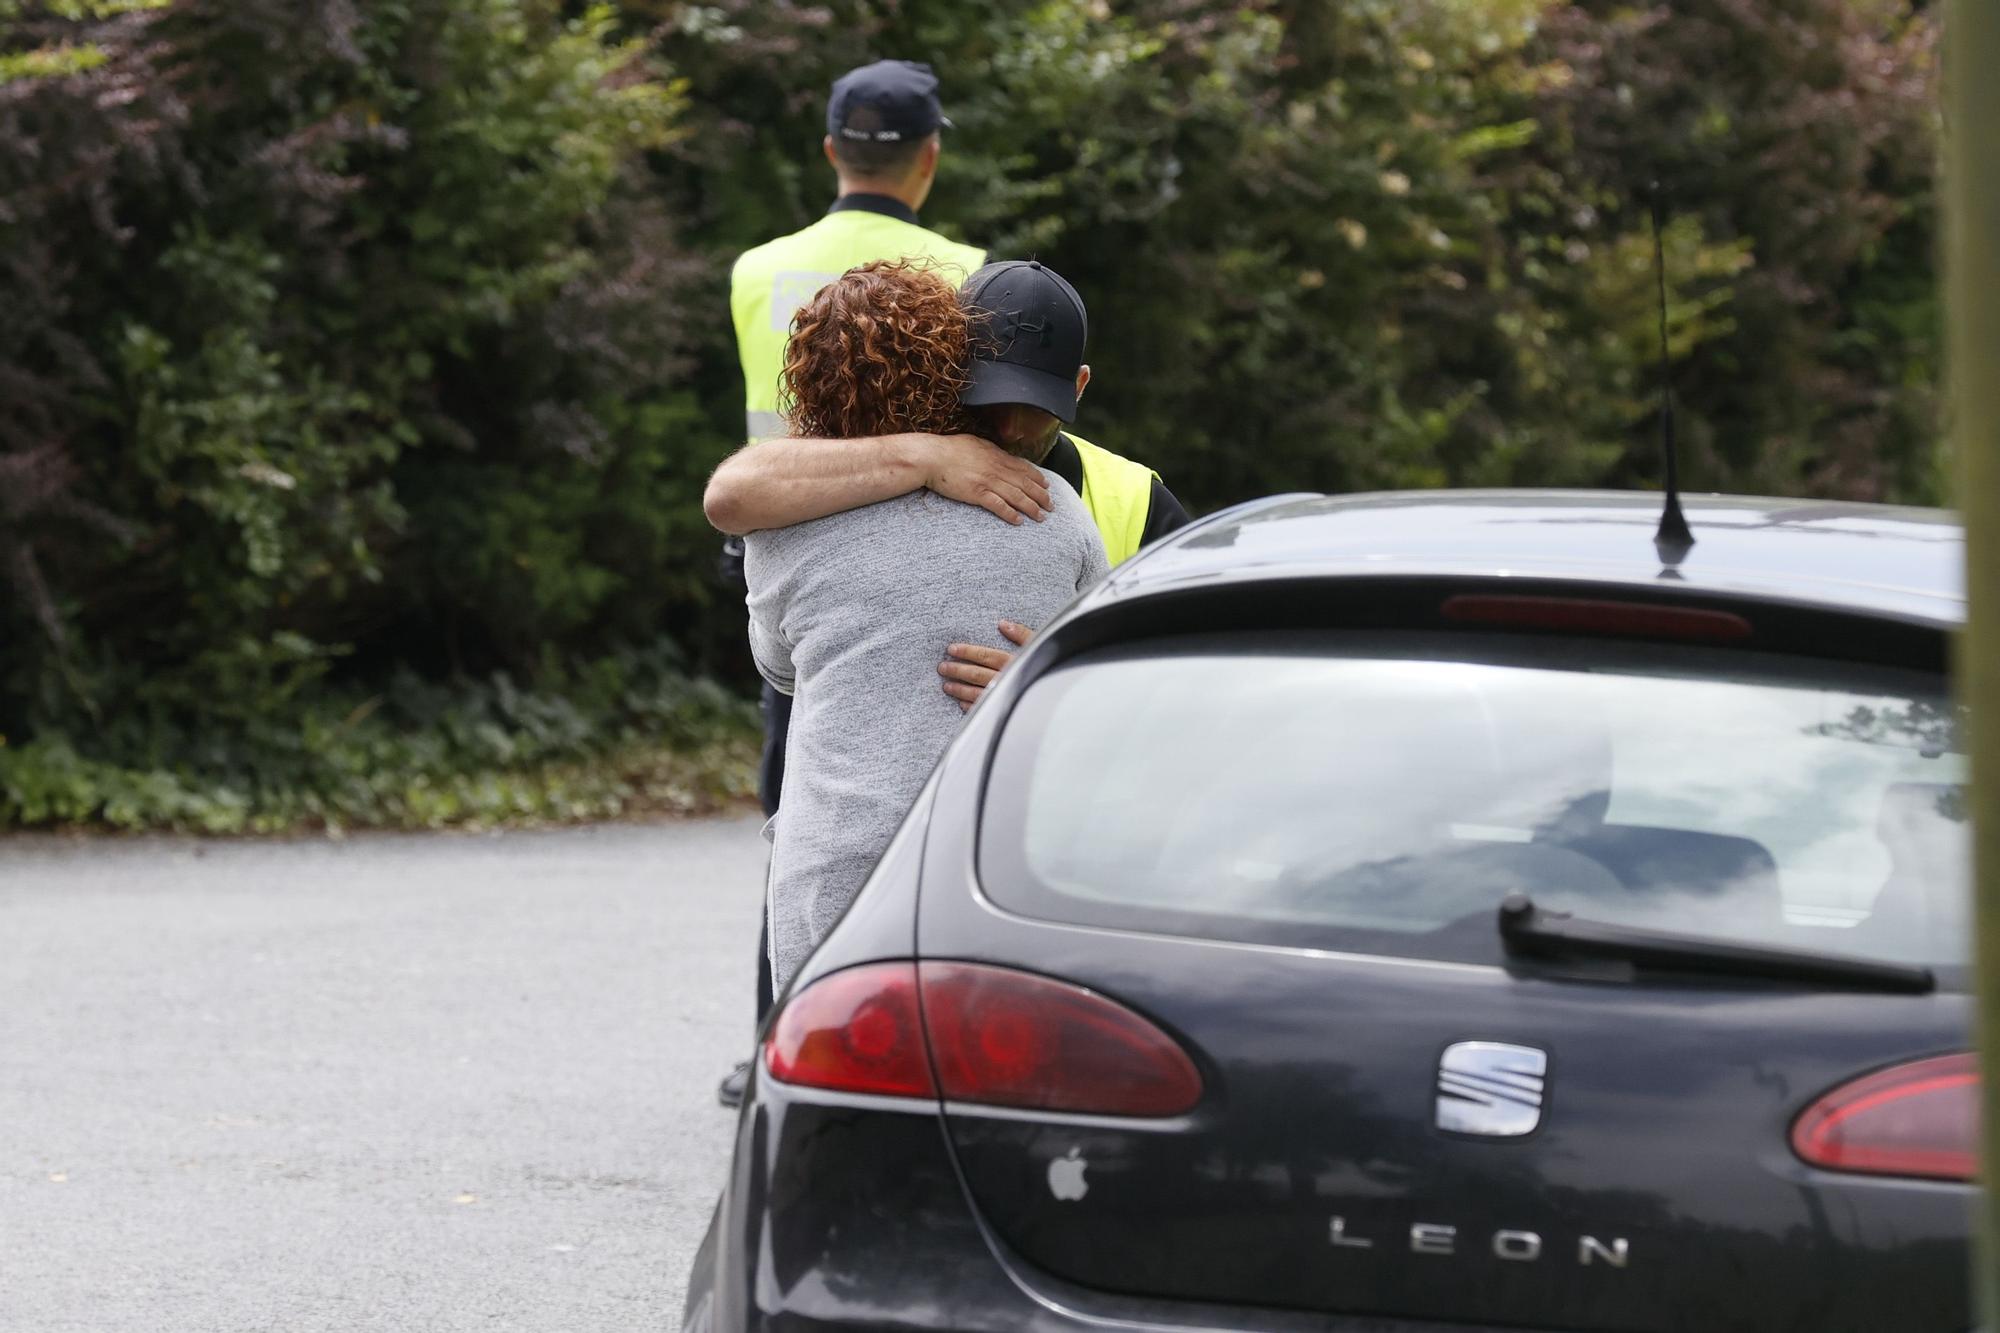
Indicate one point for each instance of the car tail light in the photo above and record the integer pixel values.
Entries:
(1584, 615)
(1005, 1038)
(854, 1031)
(995, 1037)
(1918, 1119)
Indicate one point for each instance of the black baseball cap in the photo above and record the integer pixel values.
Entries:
(1029, 337)
(890, 101)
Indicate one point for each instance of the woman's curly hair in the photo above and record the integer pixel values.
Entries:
(883, 348)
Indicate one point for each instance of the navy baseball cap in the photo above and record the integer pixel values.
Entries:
(1030, 329)
(890, 101)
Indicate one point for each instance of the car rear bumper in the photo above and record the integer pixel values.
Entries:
(845, 1213)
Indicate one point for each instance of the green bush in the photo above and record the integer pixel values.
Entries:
(346, 360)
(359, 358)
(628, 734)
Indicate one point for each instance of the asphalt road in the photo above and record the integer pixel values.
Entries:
(425, 1083)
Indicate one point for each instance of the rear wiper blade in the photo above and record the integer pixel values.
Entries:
(1528, 930)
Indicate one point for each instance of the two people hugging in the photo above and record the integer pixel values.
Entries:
(851, 612)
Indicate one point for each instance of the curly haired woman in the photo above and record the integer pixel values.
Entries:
(849, 613)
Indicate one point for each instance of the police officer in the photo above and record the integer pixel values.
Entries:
(882, 140)
(882, 123)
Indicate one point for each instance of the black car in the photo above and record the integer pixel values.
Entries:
(1408, 912)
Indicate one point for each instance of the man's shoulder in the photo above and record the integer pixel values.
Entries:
(1061, 487)
(766, 256)
(956, 255)
(1097, 453)
(1165, 513)
(880, 238)
(916, 520)
(1067, 506)
(855, 524)
(971, 255)
(843, 555)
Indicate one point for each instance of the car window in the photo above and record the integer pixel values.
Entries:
(1384, 792)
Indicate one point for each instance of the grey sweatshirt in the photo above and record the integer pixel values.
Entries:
(851, 615)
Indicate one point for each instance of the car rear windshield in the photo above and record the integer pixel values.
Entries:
(1382, 793)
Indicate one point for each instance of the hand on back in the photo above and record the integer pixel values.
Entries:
(968, 668)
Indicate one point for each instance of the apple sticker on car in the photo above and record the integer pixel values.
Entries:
(1066, 1180)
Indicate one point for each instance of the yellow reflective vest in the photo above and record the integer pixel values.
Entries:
(771, 282)
(1119, 495)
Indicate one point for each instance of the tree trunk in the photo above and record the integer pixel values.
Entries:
(1972, 293)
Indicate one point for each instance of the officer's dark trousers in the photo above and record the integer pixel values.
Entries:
(765, 999)
(770, 781)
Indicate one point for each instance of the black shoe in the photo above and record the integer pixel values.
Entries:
(733, 1086)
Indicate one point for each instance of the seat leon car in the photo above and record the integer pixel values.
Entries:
(1408, 912)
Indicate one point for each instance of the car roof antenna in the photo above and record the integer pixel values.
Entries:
(1674, 539)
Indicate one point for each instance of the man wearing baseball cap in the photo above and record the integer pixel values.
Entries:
(1027, 374)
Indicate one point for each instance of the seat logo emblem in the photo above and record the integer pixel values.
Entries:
(1491, 1088)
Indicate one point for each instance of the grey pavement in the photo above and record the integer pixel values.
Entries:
(427, 1082)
